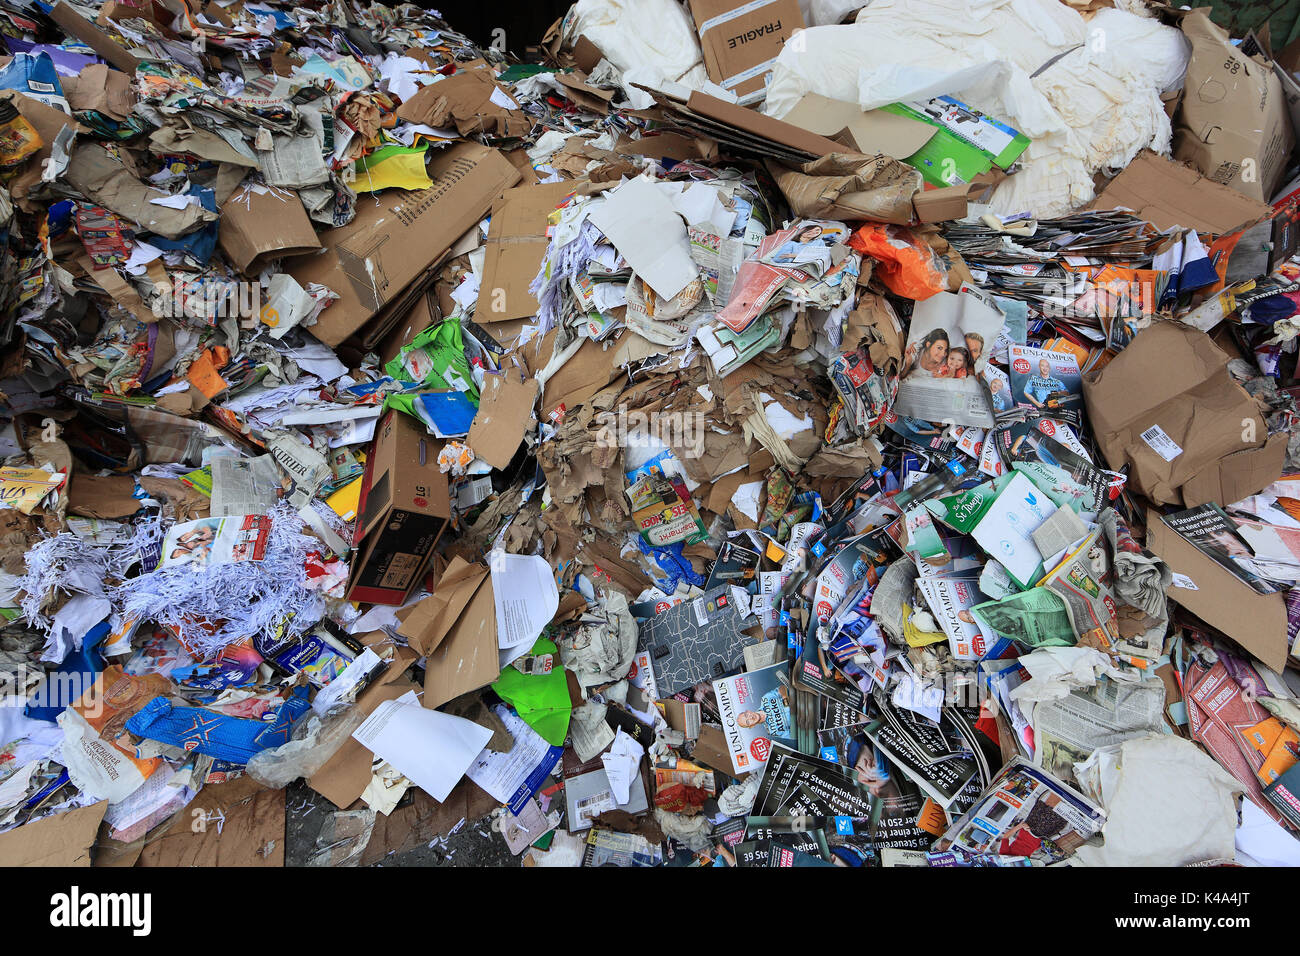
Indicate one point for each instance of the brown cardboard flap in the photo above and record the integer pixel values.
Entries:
(943, 203)
(260, 223)
(1255, 621)
(1168, 194)
(589, 370)
(426, 623)
(762, 125)
(252, 835)
(468, 657)
(61, 840)
(516, 244)
(65, 16)
(345, 775)
(112, 496)
(1239, 475)
(872, 131)
(504, 411)
(1175, 378)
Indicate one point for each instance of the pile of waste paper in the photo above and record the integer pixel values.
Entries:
(799, 433)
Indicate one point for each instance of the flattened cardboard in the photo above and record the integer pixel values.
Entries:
(252, 834)
(424, 819)
(258, 225)
(741, 38)
(74, 23)
(345, 775)
(758, 124)
(871, 131)
(468, 658)
(1174, 377)
(404, 508)
(101, 89)
(390, 242)
(504, 411)
(61, 840)
(744, 131)
(589, 97)
(111, 496)
(1233, 124)
(1168, 194)
(589, 370)
(516, 243)
(427, 622)
(1255, 621)
(465, 101)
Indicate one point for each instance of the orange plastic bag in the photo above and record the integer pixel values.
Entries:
(905, 263)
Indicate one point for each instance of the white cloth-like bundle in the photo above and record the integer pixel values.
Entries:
(1096, 106)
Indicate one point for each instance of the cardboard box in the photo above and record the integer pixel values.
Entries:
(1234, 124)
(262, 223)
(1222, 600)
(1168, 409)
(516, 244)
(404, 508)
(741, 40)
(393, 239)
(1168, 194)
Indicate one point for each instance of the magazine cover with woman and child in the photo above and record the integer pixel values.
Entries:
(946, 354)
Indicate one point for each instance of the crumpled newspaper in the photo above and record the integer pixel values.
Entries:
(599, 650)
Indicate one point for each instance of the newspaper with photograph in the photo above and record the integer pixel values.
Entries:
(1079, 579)
(1212, 531)
(796, 264)
(947, 352)
(896, 801)
(1025, 812)
(924, 751)
(1049, 441)
(1069, 729)
(212, 541)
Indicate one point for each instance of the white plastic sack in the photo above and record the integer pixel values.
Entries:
(1096, 105)
(1167, 804)
(651, 41)
(820, 13)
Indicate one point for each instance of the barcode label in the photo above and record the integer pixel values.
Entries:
(1160, 443)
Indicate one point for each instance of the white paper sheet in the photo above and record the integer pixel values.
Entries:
(640, 221)
(622, 761)
(502, 774)
(1261, 842)
(526, 599)
(431, 749)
